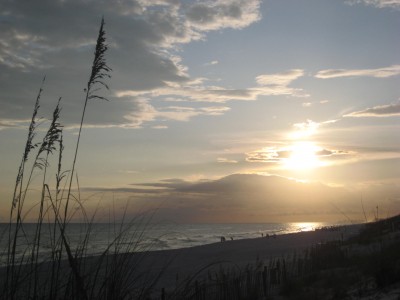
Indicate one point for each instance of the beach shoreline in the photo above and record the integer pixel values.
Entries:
(178, 265)
(191, 269)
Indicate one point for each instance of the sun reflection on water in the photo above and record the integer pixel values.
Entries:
(307, 226)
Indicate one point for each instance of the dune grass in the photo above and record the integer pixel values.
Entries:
(63, 275)
(67, 272)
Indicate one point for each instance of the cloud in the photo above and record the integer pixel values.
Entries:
(280, 79)
(212, 63)
(308, 128)
(160, 127)
(388, 110)
(278, 84)
(282, 155)
(268, 155)
(144, 37)
(145, 112)
(226, 160)
(7, 123)
(198, 91)
(238, 198)
(304, 129)
(377, 73)
(214, 15)
(377, 3)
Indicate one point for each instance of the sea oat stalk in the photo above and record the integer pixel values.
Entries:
(100, 71)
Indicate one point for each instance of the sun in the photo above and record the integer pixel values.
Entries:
(302, 156)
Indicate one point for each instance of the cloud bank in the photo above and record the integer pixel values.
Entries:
(244, 197)
(145, 39)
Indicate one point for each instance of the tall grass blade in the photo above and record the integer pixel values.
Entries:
(16, 201)
(99, 72)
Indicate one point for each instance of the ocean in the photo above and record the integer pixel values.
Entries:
(142, 237)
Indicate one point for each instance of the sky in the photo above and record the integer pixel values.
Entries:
(218, 111)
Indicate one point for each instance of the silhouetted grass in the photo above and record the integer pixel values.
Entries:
(67, 273)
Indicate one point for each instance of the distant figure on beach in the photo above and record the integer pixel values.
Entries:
(223, 239)
(231, 238)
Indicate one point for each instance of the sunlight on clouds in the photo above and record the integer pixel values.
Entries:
(303, 130)
(307, 129)
(297, 156)
(143, 111)
(303, 156)
(389, 110)
(226, 160)
(195, 90)
(377, 73)
(299, 152)
(281, 79)
(377, 3)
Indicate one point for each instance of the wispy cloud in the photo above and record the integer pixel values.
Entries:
(278, 83)
(7, 123)
(268, 155)
(377, 73)
(197, 91)
(308, 128)
(160, 127)
(145, 112)
(226, 160)
(388, 110)
(377, 3)
(304, 129)
(212, 63)
(279, 79)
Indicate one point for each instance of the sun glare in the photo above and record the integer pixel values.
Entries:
(303, 156)
(307, 226)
